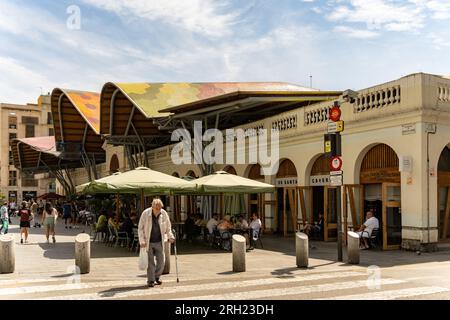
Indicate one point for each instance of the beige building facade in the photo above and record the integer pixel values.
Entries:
(23, 121)
(396, 162)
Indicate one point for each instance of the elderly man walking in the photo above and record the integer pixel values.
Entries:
(155, 230)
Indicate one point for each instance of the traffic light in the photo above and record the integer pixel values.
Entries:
(332, 144)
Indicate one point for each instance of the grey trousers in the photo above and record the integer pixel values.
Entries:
(155, 270)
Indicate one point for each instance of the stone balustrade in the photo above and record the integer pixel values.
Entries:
(377, 99)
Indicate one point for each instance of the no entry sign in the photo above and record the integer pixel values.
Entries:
(335, 164)
(335, 113)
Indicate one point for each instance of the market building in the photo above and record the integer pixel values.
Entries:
(395, 150)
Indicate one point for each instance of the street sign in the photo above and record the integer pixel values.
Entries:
(327, 146)
(336, 173)
(336, 181)
(333, 127)
(335, 164)
(335, 113)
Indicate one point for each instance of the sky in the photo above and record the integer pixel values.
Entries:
(342, 44)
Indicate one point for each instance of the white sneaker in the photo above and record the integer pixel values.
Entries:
(48, 241)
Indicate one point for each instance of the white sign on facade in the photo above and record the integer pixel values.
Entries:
(336, 181)
(405, 164)
(409, 128)
(286, 182)
(322, 180)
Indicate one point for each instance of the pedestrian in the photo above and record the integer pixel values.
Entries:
(67, 214)
(34, 211)
(4, 218)
(49, 217)
(155, 230)
(25, 218)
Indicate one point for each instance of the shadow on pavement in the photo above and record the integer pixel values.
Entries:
(113, 291)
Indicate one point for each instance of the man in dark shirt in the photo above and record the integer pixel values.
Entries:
(154, 234)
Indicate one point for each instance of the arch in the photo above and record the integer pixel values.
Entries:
(287, 169)
(443, 193)
(114, 164)
(191, 173)
(175, 174)
(321, 165)
(230, 170)
(362, 155)
(254, 172)
(379, 158)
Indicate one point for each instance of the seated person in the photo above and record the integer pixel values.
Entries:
(212, 223)
(127, 227)
(102, 223)
(365, 232)
(255, 227)
(113, 223)
(190, 227)
(241, 223)
(225, 224)
(316, 229)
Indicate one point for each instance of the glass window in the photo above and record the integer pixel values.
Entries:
(51, 131)
(29, 131)
(11, 159)
(12, 122)
(49, 118)
(13, 178)
(12, 135)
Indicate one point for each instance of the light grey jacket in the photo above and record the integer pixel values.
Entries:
(145, 227)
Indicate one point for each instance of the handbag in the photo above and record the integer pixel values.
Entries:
(143, 259)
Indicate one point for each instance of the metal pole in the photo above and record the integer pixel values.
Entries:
(339, 222)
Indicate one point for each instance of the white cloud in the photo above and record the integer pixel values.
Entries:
(379, 14)
(204, 17)
(356, 33)
(14, 78)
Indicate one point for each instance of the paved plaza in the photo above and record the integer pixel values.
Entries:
(45, 271)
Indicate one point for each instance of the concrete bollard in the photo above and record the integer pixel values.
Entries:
(302, 249)
(239, 246)
(83, 252)
(7, 255)
(167, 246)
(353, 247)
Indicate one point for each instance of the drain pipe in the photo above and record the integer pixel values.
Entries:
(428, 184)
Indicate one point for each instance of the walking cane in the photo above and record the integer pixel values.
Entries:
(176, 257)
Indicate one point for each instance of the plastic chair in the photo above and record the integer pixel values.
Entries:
(135, 240)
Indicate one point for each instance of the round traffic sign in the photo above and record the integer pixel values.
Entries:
(335, 113)
(336, 163)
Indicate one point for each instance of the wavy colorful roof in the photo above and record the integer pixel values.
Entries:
(151, 98)
(88, 105)
(41, 144)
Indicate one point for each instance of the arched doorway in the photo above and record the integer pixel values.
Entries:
(286, 184)
(380, 178)
(444, 194)
(256, 200)
(230, 170)
(324, 199)
(113, 164)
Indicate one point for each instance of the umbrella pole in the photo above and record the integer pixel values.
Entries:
(221, 205)
(142, 201)
(117, 207)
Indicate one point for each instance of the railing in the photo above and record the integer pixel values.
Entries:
(285, 123)
(317, 115)
(444, 93)
(377, 99)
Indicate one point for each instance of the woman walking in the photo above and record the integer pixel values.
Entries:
(25, 218)
(48, 220)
